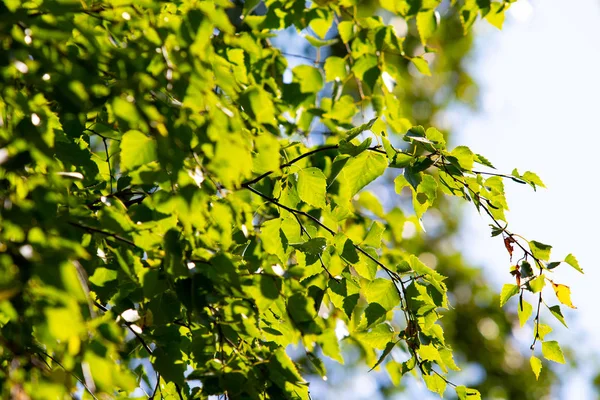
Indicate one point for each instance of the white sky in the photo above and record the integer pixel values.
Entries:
(540, 85)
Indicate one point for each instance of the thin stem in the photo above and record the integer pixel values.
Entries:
(71, 372)
(500, 175)
(106, 233)
(156, 387)
(393, 275)
(128, 324)
(537, 323)
(304, 231)
(293, 211)
(302, 57)
(375, 149)
(108, 162)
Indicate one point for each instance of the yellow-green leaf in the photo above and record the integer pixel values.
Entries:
(551, 351)
(536, 366)
(524, 311)
(540, 250)
(435, 383)
(537, 284)
(508, 291)
(136, 149)
(572, 261)
(563, 293)
(421, 65)
(312, 187)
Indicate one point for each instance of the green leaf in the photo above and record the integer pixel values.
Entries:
(572, 261)
(526, 269)
(314, 246)
(394, 370)
(309, 78)
(435, 383)
(536, 366)
(464, 156)
(427, 23)
(373, 238)
(359, 172)
(401, 160)
(555, 310)
(312, 187)
(465, 393)
(537, 284)
(483, 161)
(64, 324)
(258, 104)
(524, 311)
(386, 352)
(496, 14)
(378, 337)
(436, 137)
(320, 21)
(383, 292)
(282, 369)
(533, 179)
(335, 68)
(354, 132)
(301, 309)
(136, 149)
(331, 346)
(551, 351)
(540, 250)
(421, 65)
(346, 30)
(542, 330)
(508, 291)
(320, 43)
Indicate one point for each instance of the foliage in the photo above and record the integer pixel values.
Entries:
(160, 200)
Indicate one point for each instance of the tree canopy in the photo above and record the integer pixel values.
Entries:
(179, 208)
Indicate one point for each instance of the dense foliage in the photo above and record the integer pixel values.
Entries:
(172, 192)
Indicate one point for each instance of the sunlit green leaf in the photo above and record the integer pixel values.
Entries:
(552, 351)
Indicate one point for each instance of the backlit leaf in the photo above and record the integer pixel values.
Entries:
(551, 351)
(572, 261)
(507, 292)
(312, 187)
(563, 294)
(536, 366)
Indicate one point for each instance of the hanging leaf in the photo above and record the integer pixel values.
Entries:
(563, 294)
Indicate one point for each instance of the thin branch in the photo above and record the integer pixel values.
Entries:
(39, 351)
(300, 157)
(514, 178)
(293, 211)
(537, 323)
(106, 233)
(179, 391)
(391, 273)
(156, 387)
(375, 149)
(304, 231)
(108, 162)
(128, 324)
(302, 57)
